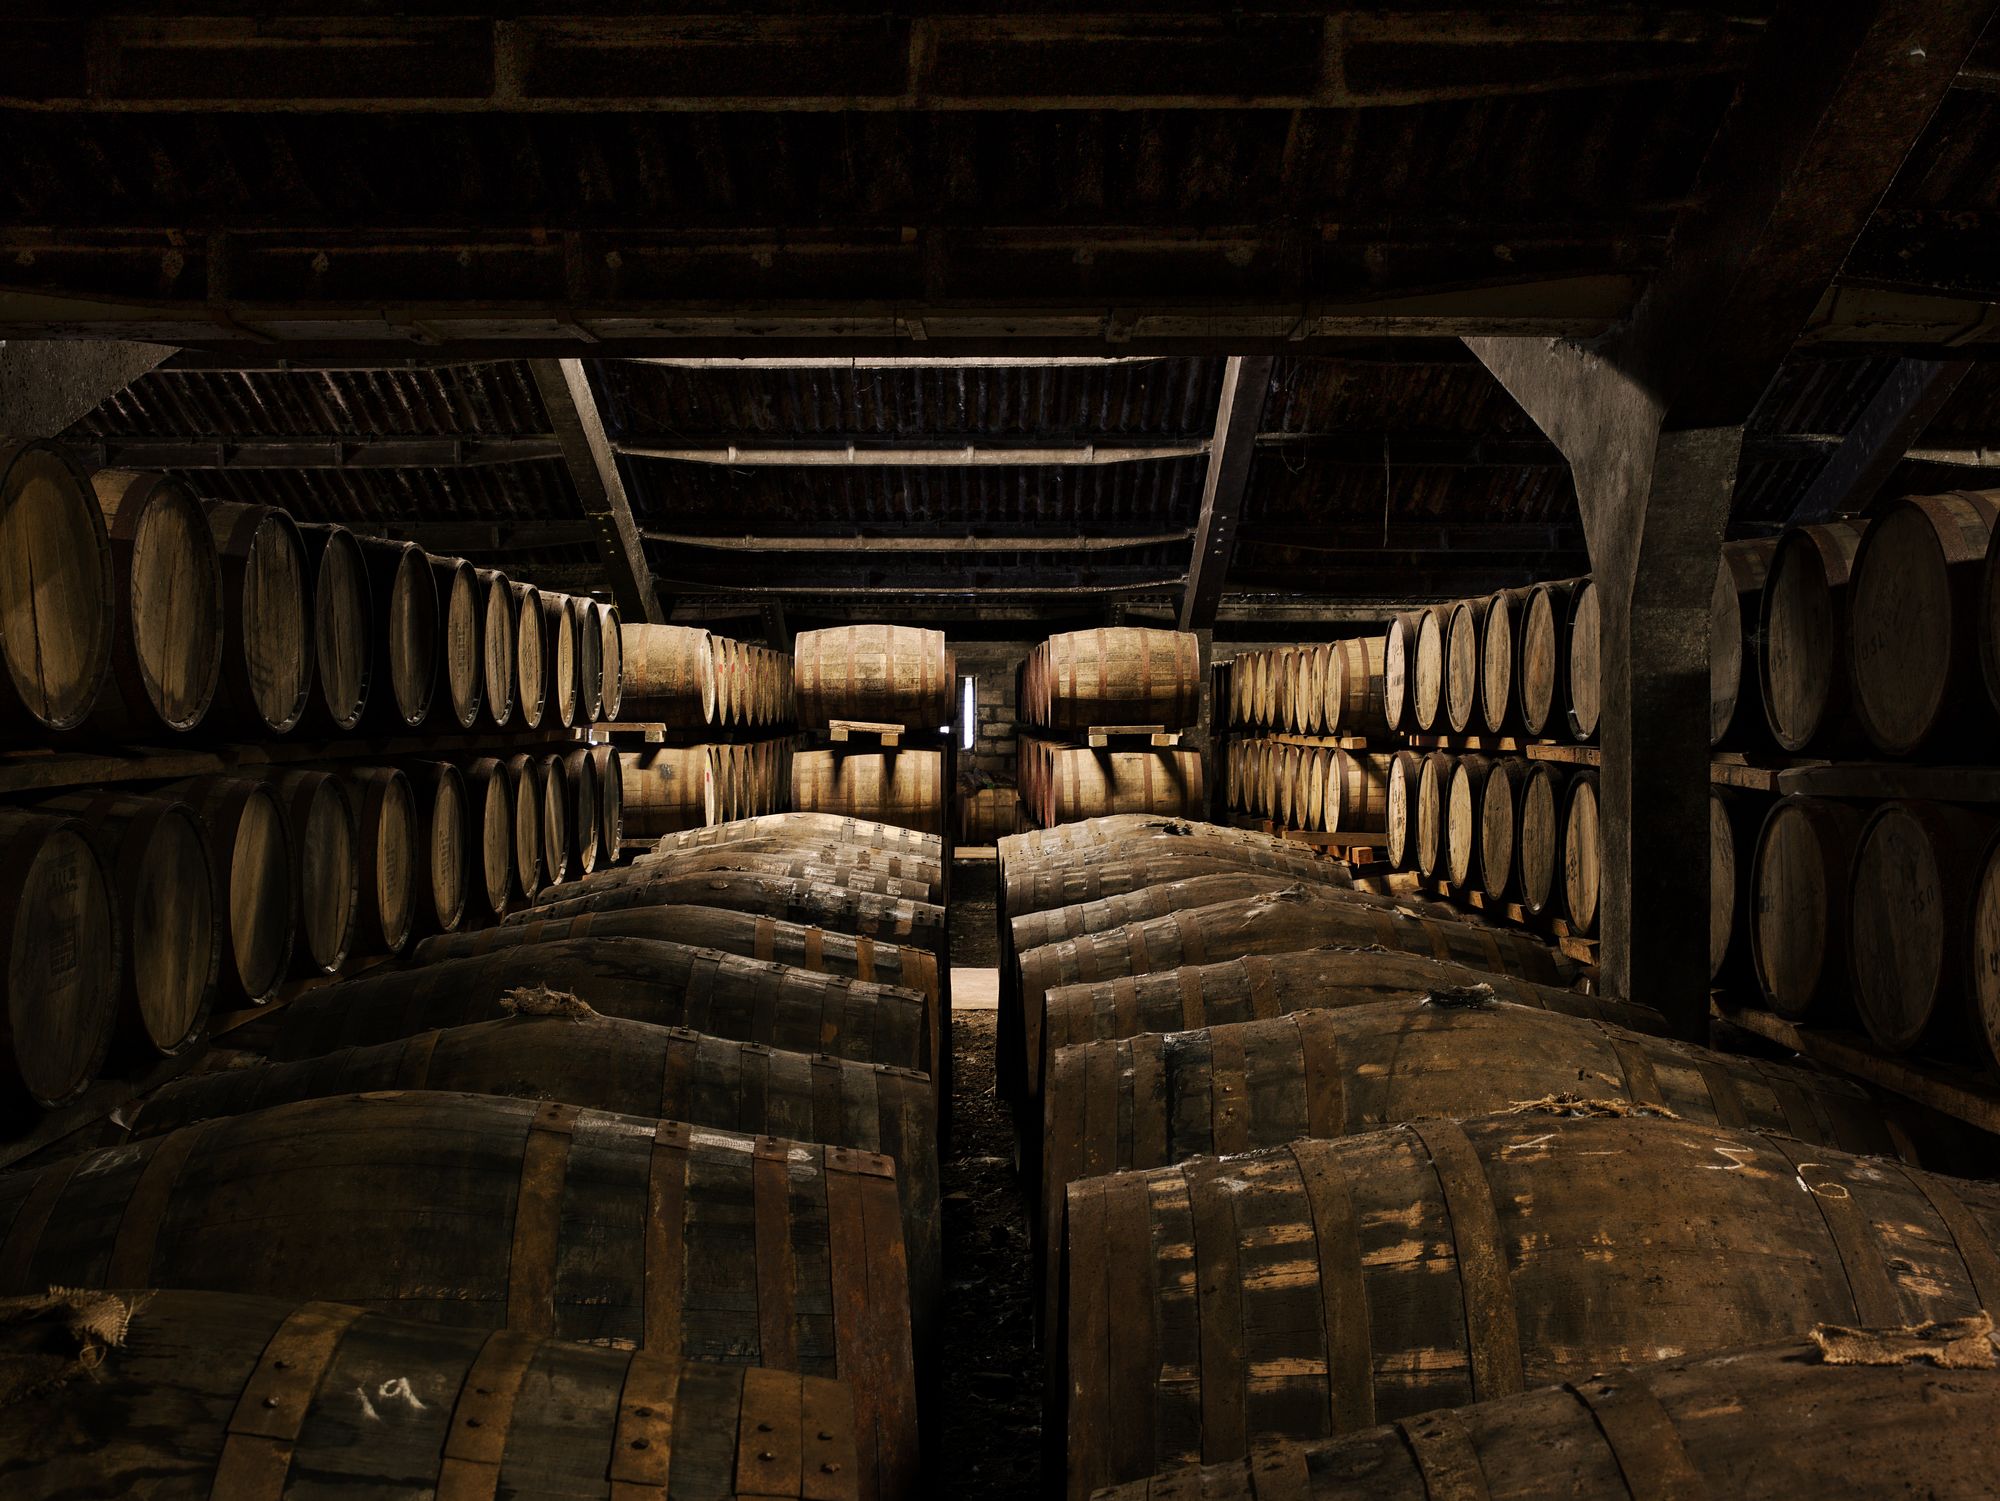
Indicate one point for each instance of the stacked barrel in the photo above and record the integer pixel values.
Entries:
(890, 688)
(1330, 1180)
(1124, 686)
(305, 731)
(636, 1190)
(1306, 730)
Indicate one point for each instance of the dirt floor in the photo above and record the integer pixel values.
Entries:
(988, 1438)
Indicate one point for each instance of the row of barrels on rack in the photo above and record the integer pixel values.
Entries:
(1879, 634)
(679, 1178)
(687, 678)
(1116, 675)
(671, 788)
(1332, 688)
(128, 912)
(1062, 784)
(139, 610)
(1515, 662)
(1319, 788)
(1255, 1129)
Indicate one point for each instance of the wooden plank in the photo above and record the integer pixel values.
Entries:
(1246, 383)
(1914, 393)
(1572, 755)
(1950, 784)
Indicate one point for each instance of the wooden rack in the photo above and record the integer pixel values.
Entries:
(654, 733)
(1548, 926)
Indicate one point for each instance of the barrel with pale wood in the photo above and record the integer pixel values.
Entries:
(1916, 869)
(461, 672)
(925, 872)
(1090, 784)
(730, 703)
(444, 851)
(557, 817)
(669, 675)
(300, 1199)
(1541, 657)
(268, 624)
(1499, 827)
(831, 827)
(1432, 803)
(887, 673)
(64, 947)
(390, 859)
(858, 912)
(1427, 707)
(610, 805)
(666, 789)
(531, 672)
(1357, 797)
(1802, 670)
(498, 628)
(1399, 658)
(1170, 893)
(1120, 675)
(489, 886)
(329, 864)
(1426, 1218)
(571, 1414)
(986, 814)
(1914, 626)
(1355, 699)
(559, 656)
(902, 787)
(1582, 853)
(1716, 1416)
(1399, 819)
(589, 638)
(343, 609)
(1463, 653)
(1799, 906)
(250, 852)
(1584, 632)
(1539, 830)
(1735, 708)
(819, 868)
(57, 591)
(585, 837)
(1038, 883)
(1499, 662)
(167, 626)
(1733, 822)
(1465, 820)
(407, 627)
(154, 854)
(611, 660)
(525, 792)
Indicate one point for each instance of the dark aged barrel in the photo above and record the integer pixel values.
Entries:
(589, 659)
(1509, 1248)
(1499, 659)
(1462, 654)
(167, 627)
(497, 629)
(1802, 664)
(1541, 657)
(267, 653)
(1539, 864)
(1799, 906)
(57, 591)
(496, 1208)
(1123, 675)
(1844, 1426)
(1464, 820)
(1583, 631)
(570, 1414)
(666, 789)
(854, 872)
(1582, 853)
(64, 948)
(669, 674)
(250, 852)
(343, 610)
(903, 787)
(638, 979)
(1733, 819)
(1913, 623)
(1427, 687)
(1399, 818)
(329, 865)
(611, 660)
(894, 674)
(556, 818)
(1034, 887)
(1499, 827)
(525, 792)
(444, 854)
(1735, 708)
(154, 853)
(580, 776)
(461, 671)
(1916, 868)
(559, 657)
(490, 881)
(1399, 660)
(858, 912)
(407, 628)
(610, 805)
(531, 678)
(388, 844)
(1432, 800)
(1031, 930)
(799, 945)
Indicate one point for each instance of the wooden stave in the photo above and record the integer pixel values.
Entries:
(405, 632)
(1821, 556)
(1543, 643)
(1736, 710)
(89, 593)
(323, 825)
(343, 608)
(478, 1151)
(238, 530)
(77, 958)
(1836, 828)
(1583, 864)
(461, 645)
(531, 676)
(498, 626)
(442, 804)
(221, 802)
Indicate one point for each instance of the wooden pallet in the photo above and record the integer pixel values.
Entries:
(1130, 737)
(1325, 742)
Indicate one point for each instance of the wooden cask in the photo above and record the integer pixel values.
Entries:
(167, 626)
(57, 591)
(461, 671)
(830, 827)
(154, 853)
(1539, 831)
(1916, 868)
(449, 1408)
(667, 789)
(1315, 669)
(1152, 1100)
(1802, 672)
(1029, 887)
(406, 633)
(1032, 930)
(1465, 821)
(559, 657)
(1432, 803)
(539, 1218)
(1735, 708)
(986, 814)
(250, 854)
(610, 805)
(1399, 818)
(732, 703)
(1355, 696)
(1582, 853)
(1462, 656)
(557, 815)
(390, 862)
(1123, 675)
(859, 912)
(1428, 667)
(490, 833)
(904, 787)
(1090, 784)
(343, 630)
(1845, 1426)
(818, 868)
(1734, 819)
(268, 624)
(1399, 660)
(611, 660)
(1357, 792)
(1914, 627)
(894, 674)
(329, 864)
(1499, 827)
(445, 851)
(1500, 678)
(1096, 831)
(525, 792)
(1510, 1248)
(585, 837)
(1541, 658)
(498, 628)
(64, 950)
(531, 673)
(589, 659)
(1584, 631)
(1799, 906)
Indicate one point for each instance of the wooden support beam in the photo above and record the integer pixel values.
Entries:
(1915, 392)
(314, 452)
(1246, 383)
(937, 456)
(906, 543)
(45, 385)
(572, 407)
(777, 631)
